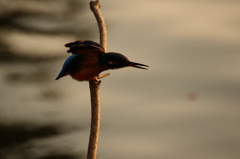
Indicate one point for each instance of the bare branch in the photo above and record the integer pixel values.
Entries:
(95, 7)
(95, 119)
(95, 86)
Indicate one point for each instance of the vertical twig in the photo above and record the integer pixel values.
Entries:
(95, 86)
(95, 7)
(95, 119)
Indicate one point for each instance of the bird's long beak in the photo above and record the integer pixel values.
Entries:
(138, 65)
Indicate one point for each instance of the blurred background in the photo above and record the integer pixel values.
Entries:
(185, 106)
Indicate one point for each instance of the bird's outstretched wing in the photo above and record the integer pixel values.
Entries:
(85, 47)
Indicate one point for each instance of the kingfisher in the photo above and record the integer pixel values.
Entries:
(89, 59)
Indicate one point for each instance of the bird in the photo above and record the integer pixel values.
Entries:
(89, 59)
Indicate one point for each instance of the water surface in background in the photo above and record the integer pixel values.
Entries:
(185, 106)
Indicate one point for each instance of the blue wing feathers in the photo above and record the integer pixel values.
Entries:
(66, 66)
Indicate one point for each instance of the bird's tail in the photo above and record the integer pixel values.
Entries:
(138, 65)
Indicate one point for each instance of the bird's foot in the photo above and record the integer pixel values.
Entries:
(99, 77)
(107, 74)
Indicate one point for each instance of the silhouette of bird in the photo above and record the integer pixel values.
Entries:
(89, 60)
